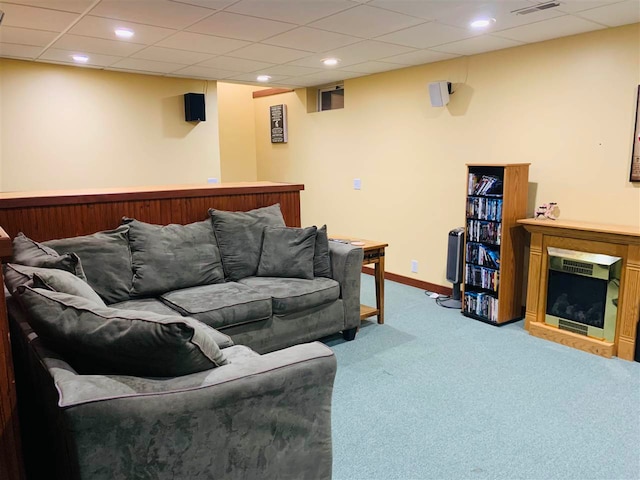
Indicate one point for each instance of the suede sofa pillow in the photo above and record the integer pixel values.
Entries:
(106, 260)
(29, 252)
(172, 257)
(287, 252)
(96, 339)
(239, 236)
(321, 258)
(49, 278)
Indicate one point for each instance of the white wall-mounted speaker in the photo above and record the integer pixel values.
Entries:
(439, 93)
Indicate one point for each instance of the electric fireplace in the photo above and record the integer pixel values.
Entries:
(582, 292)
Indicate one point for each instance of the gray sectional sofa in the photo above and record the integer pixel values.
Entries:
(179, 351)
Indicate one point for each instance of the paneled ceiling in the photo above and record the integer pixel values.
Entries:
(287, 40)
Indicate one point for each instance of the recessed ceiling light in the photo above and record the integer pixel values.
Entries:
(80, 58)
(482, 22)
(124, 32)
(331, 62)
(263, 78)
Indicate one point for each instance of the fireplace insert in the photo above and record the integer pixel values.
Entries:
(582, 292)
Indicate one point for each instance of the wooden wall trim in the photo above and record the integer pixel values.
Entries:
(412, 282)
(271, 91)
(101, 195)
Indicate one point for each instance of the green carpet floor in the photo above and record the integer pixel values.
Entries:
(432, 394)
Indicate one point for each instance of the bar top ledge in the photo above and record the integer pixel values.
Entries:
(118, 194)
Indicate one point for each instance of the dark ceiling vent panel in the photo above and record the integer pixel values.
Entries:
(536, 8)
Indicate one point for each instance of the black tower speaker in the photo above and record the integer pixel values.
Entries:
(194, 107)
(455, 251)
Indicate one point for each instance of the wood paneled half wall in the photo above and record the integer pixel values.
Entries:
(45, 215)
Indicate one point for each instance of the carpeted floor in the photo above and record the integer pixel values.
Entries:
(435, 395)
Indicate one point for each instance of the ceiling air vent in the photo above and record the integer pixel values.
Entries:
(536, 8)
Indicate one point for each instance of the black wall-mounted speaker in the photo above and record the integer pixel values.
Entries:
(194, 107)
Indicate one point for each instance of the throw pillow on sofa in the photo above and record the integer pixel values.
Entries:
(106, 260)
(239, 236)
(171, 257)
(50, 278)
(35, 254)
(105, 340)
(287, 252)
(321, 258)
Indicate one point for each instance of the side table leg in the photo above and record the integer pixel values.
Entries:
(379, 275)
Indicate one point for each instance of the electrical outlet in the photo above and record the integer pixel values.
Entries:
(212, 180)
(357, 184)
(414, 266)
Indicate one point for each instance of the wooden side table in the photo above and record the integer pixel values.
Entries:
(373, 254)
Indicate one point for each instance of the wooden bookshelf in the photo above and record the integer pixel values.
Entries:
(494, 243)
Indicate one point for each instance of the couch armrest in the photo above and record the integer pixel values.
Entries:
(346, 268)
(266, 416)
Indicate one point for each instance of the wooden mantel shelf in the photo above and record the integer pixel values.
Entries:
(616, 240)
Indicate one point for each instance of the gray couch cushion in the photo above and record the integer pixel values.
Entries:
(99, 339)
(220, 305)
(106, 260)
(35, 254)
(287, 252)
(294, 294)
(171, 257)
(321, 257)
(239, 236)
(156, 306)
(50, 278)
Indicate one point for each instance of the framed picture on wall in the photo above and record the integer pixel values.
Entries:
(634, 175)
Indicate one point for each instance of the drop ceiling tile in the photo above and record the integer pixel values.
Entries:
(25, 36)
(213, 4)
(366, 22)
(291, 70)
(239, 65)
(427, 35)
(425, 9)
(475, 45)
(198, 71)
(251, 77)
(357, 53)
(553, 28)
(64, 56)
(202, 43)
(11, 50)
(171, 55)
(241, 27)
(77, 6)
(419, 57)
(36, 18)
(269, 53)
(311, 39)
(96, 45)
(161, 13)
(371, 67)
(147, 65)
(573, 6)
(292, 11)
(100, 27)
(621, 13)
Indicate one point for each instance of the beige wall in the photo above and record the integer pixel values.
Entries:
(69, 127)
(566, 106)
(237, 132)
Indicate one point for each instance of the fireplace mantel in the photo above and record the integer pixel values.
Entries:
(615, 240)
